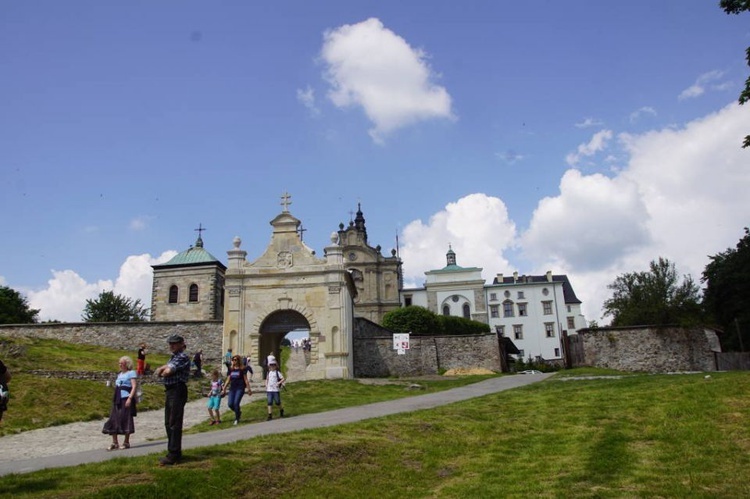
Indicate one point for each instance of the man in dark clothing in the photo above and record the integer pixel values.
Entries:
(4, 379)
(175, 374)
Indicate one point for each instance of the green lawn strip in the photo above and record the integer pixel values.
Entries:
(642, 436)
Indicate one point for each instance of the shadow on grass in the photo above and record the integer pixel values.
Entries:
(609, 457)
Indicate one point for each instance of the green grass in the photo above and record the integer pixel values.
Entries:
(680, 436)
(73, 400)
(640, 436)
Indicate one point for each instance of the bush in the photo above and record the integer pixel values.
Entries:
(421, 322)
(451, 325)
(415, 320)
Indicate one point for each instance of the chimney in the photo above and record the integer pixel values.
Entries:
(499, 278)
(549, 276)
(515, 276)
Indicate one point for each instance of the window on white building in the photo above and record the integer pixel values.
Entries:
(500, 330)
(522, 311)
(520, 353)
(571, 323)
(494, 311)
(518, 331)
(493, 296)
(467, 311)
(557, 352)
(507, 309)
(549, 328)
(407, 300)
(520, 295)
(568, 308)
(446, 310)
(547, 307)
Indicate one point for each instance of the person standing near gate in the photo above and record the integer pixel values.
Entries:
(175, 374)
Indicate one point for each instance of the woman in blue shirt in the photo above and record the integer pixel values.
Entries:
(120, 420)
(237, 384)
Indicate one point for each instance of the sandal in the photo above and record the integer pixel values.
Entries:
(125, 445)
(113, 446)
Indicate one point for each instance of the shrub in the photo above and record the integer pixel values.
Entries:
(415, 320)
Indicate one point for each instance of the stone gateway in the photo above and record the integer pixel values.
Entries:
(289, 288)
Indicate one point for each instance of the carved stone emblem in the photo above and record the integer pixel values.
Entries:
(284, 260)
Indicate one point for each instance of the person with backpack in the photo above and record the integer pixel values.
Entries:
(274, 382)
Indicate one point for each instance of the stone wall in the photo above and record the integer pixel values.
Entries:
(205, 335)
(649, 348)
(375, 357)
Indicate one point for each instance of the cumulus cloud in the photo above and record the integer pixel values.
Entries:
(478, 228)
(66, 293)
(594, 220)
(704, 81)
(588, 122)
(681, 195)
(370, 66)
(307, 98)
(597, 143)
(636, 115)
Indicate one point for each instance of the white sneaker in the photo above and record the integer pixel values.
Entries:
(235, 422)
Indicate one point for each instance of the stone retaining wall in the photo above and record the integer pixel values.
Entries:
(205, 335)
(650, 348)
(375, 356)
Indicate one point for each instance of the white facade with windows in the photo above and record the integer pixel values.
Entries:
(530, 310)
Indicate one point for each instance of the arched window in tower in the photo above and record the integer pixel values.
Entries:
(173, 293)
(446, 310)
(467, 311)
(193, 293)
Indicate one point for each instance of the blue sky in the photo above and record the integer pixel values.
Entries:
(582, 137)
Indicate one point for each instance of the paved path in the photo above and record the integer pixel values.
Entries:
(79, 443)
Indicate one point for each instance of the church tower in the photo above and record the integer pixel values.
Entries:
(189, 287)
(376, 277)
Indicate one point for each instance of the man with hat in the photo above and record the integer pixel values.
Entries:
(175, 374)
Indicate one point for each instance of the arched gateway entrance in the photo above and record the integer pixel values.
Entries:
(274, 328)
(288, 288)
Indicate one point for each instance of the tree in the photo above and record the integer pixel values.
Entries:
(14, 309)
(727, 294)
(736, 7)
(655, 297)
(109, 307)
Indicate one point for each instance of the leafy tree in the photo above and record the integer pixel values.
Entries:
(736, 7)
(413, 319)
(727, 293)
(14, 309)
(109, 307)
(655, 297)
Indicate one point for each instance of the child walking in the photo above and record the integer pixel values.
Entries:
(214, 398)
(274, 381)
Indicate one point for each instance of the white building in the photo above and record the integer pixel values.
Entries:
(530, 310)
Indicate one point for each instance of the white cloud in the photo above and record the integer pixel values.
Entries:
(636, 115)
(597, 143)
(589, 122)
(704, 81)
(307, 98)
(65, 296)
(139, 223)
(3, 282)
(680, 195)
(370, 66)
(510, 156)
(478, 228)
